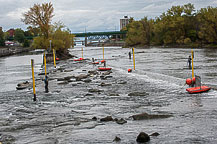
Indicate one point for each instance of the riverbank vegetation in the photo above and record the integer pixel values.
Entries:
(60, 38)
(179, 26)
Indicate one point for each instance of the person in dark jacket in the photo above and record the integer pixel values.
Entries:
(189, 62)
(46, 84)
(129, 55)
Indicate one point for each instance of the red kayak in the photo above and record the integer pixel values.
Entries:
(198, 89)
(95, 62)
(104, 69)
(80, 59)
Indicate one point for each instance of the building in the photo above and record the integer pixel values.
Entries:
(124, 22)
(11, 32)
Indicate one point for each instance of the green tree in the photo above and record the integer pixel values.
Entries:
(26, 43)
(2, 38)
(139, 32)
(19, 35)
(207, 18)
(60, 37)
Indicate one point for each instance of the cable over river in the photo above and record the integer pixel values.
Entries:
(84, 105)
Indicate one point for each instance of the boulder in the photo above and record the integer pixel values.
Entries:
(7, 139)
(60, 79)
(94, 90)
(68, 70)
(88, 94)
(144, 116)
(117, 139)
(138, 94)
(68, 77)
(102, 77)
(106, 119)
(155, 134)
(104, 84)
(94, 72)
(114, 94)
(143, 137)
(122, 82)
(82, 76)
(87, 80)
(121, 121)
(108, 77)
(94, 118)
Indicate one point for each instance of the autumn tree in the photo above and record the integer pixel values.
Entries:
(40, 16)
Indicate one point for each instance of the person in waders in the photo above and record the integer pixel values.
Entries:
(105, 64)
(46, 84)
(129, 55)
(189, 62)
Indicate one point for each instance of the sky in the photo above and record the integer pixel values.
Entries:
(92, 15)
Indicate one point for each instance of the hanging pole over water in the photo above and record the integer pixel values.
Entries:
(45, 70)
(134, 63)
(103, 50)
(192, 55)
(33, 79)
(82, 52)
(54, 58)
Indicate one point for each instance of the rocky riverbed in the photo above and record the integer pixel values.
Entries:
(85, 105)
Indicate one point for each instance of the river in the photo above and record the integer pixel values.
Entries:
(64, 115)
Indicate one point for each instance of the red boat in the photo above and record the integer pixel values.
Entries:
(95, 62)
(104, 69)
(80, 59)
(198, 89)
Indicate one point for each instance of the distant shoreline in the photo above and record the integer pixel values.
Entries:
(12, 50)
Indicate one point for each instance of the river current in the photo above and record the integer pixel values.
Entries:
(64, 115)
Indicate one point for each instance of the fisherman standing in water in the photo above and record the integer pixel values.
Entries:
(189, 62)
(129, 55)
(46, 84)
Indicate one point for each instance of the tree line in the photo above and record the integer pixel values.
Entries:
(41, 30)
(179, 26)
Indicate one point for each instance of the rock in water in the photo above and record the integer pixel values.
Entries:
(117, 139)
(144, 116)
(138, 94)
(155, 134)
(106, 119)
(143, 137)
(7, 139)
(121, 121)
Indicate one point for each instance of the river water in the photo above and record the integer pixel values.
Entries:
(64, 115)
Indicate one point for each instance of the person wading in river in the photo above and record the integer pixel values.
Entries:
(189, 62)
(129, 55)
(46, 84)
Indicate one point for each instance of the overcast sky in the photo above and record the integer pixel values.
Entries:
(94, 15)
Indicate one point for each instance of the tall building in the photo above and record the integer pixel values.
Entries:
(124, 22)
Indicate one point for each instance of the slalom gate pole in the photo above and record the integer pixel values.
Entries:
(45, 69)
(134, 63)
(192, 55)
(54, 58)
(33, 79)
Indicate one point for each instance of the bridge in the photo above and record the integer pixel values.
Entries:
(91, 36)
(88, 34)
